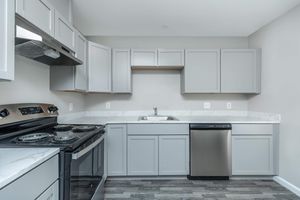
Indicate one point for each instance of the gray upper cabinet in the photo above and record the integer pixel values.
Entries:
(64, 31)
(240, 69)
(170, 58)
(81, 70)
(7, 39)
(144, 57)
(99, 68)
(121, 71)
(38, 12)
(201, 73)
(71, 78)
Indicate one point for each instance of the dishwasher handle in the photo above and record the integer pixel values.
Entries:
(211, 126)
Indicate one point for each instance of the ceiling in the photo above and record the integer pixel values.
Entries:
(176, 17)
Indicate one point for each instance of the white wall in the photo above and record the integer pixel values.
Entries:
(162, 88)
(31, 85)
(280, 42)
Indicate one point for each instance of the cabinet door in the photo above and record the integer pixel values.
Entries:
(81, 70)
(121, 71)
(201, 73)
(38, 12)
(144, 57)
(64, 31)
(170, 58)
(117, 150)
(240, 69)
(173, 155)
(252, 155)
(142, 155)
(99, 68)
(7, 39)
(51, 193)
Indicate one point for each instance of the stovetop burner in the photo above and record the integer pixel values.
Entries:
(83, 128)
(63, 127)
(33, 137)
(63, 137)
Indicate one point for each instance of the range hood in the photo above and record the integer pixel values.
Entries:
(35, 44)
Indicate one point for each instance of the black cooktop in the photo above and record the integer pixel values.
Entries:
(65, 136)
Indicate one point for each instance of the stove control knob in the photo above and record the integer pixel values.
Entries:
(4, 113)
(52, 109)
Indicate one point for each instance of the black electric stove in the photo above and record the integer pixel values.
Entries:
(81, 146)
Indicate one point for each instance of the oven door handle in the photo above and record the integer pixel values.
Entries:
(79, 154)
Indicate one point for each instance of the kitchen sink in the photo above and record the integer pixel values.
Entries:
(157, 118)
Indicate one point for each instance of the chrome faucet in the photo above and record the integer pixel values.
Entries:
(155, 111)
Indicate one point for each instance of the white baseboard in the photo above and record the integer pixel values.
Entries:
(287, 185)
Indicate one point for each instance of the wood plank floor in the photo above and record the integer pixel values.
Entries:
(186, 189)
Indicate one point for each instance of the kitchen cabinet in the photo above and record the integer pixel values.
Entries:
(121, 71)
(51, 193)
(144, 57)
(64, 32)
(240, 69)
(171, 58)
(116, 150)
(81, 70)
(41, 178)
(71, 78)
(158, 149)
(7, 39)
(201, 73)
(38, 12)
(99, 68)
(142, 155)
(253, 149)
(173, 155)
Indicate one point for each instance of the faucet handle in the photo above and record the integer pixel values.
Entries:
(155, 110)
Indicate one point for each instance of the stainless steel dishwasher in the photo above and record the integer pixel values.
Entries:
(210, 151)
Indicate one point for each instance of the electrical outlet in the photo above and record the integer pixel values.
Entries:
(207, 105)
(107, 105)
(229, 106)
(71, 107)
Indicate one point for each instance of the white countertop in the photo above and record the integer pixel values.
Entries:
(181, 119)
(15, 162)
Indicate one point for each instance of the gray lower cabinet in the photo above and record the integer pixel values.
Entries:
(7, 39)
(173, 155)
(201, 73)
(158, 149)
(121, 71)
(253, 149)
(142, 155)
(34, 184)
(240, 70)
(99, 68)
(51, 193)
(116, 140)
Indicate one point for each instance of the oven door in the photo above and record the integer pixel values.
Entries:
(87, 168)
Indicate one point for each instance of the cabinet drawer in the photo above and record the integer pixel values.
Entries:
(252, 129)
(158, 129)
(32, 184)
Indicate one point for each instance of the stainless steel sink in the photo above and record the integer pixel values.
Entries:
(157, 118)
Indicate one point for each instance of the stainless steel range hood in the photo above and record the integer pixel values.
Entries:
(35, 44)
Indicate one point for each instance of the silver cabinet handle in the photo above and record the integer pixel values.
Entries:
(77, 155)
